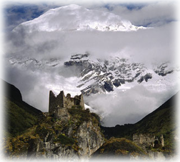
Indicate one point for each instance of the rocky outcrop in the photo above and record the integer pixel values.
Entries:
(145, 77)
(100, 75)
(89, 138)
(151, 144)
(144, 140)
(79, 146)
(163, 69)
(156, 155)
(72, 133)
(46, 149)
(120, 148)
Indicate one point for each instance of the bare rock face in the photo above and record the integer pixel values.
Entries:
(144, 140)
(156, 155)
(72, 140)
(89, 138)
(149, 141)
(40, 149)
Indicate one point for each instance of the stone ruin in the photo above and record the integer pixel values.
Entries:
(59, 105)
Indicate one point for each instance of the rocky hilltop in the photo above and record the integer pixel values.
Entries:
(63, 132)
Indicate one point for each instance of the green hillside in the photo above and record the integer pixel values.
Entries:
(19, 115)
(160, 121)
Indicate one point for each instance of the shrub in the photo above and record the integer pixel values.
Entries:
(63, 139)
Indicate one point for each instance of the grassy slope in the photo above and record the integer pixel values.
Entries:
(17, 119)
(19, 115)
(159, 121)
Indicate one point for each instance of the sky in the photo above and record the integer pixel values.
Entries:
(155, 44)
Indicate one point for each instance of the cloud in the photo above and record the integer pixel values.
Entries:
(35, 83)
(131, 1)
(120, 107)
(150, 14)
(154, 44)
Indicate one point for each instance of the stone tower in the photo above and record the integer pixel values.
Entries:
(62, 101)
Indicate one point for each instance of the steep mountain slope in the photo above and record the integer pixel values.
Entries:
(160, 121)
(19, 115)
(105, 75)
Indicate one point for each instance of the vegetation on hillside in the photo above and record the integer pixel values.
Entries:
(119, 147)
(47, 129)
(17, 119)
(19, 116)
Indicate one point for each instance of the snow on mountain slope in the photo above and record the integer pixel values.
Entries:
(104, 75)
(74, 17)
(98, 76)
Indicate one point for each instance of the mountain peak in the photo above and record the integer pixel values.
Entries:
(76, 18)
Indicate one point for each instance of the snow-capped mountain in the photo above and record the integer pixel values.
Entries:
(76, 18)
(103, 75)
(98, 76)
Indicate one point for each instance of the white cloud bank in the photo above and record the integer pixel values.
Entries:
(122, 107)
(150, 14)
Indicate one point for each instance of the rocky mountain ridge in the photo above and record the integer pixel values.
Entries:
(102, 75)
